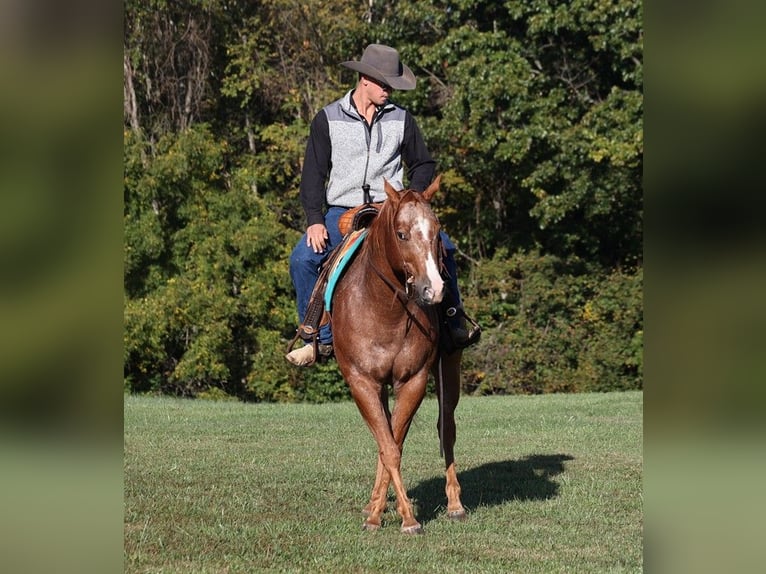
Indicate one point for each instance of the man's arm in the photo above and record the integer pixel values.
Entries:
(316, 168)
(415, 154)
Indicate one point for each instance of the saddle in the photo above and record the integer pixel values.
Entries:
(358, 217)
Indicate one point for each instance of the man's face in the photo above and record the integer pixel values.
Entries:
(378, 92)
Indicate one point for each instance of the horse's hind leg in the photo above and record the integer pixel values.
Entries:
(449, 396)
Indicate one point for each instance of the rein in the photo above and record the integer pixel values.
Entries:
(403, 296)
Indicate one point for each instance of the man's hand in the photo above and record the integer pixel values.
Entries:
(316, 237)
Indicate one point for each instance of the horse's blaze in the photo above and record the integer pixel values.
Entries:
(437, 283)
(423, 225)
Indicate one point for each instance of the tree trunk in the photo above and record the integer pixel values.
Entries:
(130, 105)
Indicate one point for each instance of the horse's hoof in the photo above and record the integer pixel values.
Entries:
(415, 529)
(457, 515)
(369, 527)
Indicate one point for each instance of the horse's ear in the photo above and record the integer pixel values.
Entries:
(392, 194)
(433, 188)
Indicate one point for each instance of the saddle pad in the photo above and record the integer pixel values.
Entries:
(349, 246)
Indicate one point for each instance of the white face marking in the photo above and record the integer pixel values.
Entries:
(432, 267)
(437, 284)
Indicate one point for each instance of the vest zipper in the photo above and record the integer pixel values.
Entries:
(368, 136)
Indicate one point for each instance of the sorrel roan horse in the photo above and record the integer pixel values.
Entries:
(386, 333)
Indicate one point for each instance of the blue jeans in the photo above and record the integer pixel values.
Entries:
(304, 268)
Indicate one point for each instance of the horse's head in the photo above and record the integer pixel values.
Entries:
(415, 232)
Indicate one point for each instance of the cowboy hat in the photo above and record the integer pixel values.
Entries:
(381, 63)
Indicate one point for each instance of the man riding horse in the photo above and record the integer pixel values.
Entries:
(356, 144)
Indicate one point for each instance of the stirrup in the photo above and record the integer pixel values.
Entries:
(473, 334)
(320, 350)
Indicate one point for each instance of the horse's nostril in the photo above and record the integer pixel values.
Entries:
(430, 296)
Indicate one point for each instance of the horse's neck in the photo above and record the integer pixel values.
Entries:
(377, 260)
(382, 284)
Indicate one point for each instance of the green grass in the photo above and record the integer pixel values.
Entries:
(552, 483)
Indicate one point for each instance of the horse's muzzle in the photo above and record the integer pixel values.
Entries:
(427, 295)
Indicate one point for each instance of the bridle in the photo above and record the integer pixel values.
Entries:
(407, 294)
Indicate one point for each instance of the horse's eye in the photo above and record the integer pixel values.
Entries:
(401, 235)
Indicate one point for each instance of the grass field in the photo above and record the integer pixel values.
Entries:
(552, 483)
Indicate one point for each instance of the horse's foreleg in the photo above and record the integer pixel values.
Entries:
(390, 460)
(449, 395)
(399, 429)
(409, 395)
(370, 406)
(379, 495)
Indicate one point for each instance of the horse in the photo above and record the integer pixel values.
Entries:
(386, 328)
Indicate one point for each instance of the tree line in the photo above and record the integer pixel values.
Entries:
(533, 111)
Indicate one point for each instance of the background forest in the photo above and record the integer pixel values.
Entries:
(532, 109)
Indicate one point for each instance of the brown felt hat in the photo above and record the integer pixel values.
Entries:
(381, 63)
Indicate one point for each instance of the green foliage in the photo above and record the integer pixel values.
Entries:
(324, 383)
(197, 304)
(282, 62)
(533, 111)
(553, 326)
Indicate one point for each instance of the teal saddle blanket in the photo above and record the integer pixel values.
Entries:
(347, 249)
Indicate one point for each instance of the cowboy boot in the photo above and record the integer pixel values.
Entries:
(459, 334)
(304, 356)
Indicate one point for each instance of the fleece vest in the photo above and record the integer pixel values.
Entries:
(363, 154)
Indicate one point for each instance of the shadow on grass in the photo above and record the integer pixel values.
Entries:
(493, 484)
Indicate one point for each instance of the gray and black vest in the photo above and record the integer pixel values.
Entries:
(363, 155)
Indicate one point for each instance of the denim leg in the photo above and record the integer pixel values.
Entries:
(451, 267)
(304, 268)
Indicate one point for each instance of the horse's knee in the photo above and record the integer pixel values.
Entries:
(391, 458)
